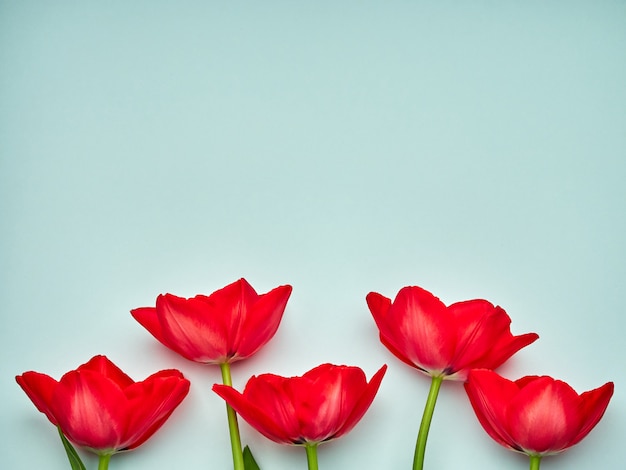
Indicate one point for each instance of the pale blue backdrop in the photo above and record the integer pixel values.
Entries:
(477, 149)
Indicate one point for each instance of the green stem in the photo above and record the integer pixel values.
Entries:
(311, 455)
(535, 460)
(233, 427)
(420, 445)
(103, 464)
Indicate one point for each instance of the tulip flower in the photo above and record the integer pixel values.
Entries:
(323, 404)
(100, 408)
(229, 325)
(444, 342)
(537, 416)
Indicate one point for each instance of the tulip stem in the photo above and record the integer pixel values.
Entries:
(233, 426)
(535, 460)
(420, 446)
(103, 464)
(311, 455)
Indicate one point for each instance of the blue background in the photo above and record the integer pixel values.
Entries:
(477, 149)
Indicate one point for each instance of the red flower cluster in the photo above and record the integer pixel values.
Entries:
(465, 341)
(98, 407)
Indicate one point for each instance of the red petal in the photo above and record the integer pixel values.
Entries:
(147, 317)
(365, 400)
(379, 306)
(505, 344)
(478, 328)
(400, 355)
(591, 408)
(91, 410)
(194, 328)
(419, 325)
(489, 395)
(280, 399)
(230, 306)
(151, 402)
(103, 366)
(543, 416)
(40, 389)
(257, 415)
(262, 320)
(324, 399)
(504, 350)
(484, 338)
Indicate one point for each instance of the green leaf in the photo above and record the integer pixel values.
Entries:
(72, 455)
(248, 460)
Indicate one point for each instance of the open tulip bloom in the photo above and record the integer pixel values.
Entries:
(537, 416)
(100, 408)
(324, 404)
(444, 342)
(229, 325)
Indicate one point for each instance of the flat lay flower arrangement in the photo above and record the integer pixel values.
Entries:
(100, 409)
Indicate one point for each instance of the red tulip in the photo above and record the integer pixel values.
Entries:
(445, 341)
(229, 325)
(97, 406)
(535, 415)
(324, 404)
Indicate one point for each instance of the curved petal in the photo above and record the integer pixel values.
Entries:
(503, 350)
(281, 400)
(261, 321)
(230, 306)
(415, 328)
(91, 410)
(504, 344)
(193, 328)
(362, 405)
(400, 355)
(147, 317)
(40, 389)
(478, 327)
(151, 402)
(379, 306)
(103, 366)
(543, 417)
(422, 328)
(484, 339)
(255, 414)
(592, 406)
(326, 395)
(489, 394)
